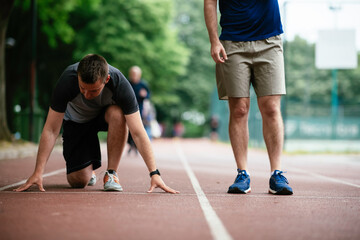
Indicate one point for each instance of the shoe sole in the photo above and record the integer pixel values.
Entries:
(238, 191)
(113, 189)
(283, 191)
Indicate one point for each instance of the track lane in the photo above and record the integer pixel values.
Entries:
(320, 207)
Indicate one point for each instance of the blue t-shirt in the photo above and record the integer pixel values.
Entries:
(137, 88)
(249, 20)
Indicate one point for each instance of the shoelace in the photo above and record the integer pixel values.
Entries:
(241, 176)
(114, 178)
(281, 177)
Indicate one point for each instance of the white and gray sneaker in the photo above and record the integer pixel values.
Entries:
(92, 179)
(111, 182)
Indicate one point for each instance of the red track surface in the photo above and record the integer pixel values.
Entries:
(325, 204)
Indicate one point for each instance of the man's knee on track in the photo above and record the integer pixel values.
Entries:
(78, 181)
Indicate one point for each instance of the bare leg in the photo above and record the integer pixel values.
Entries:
(273, 128)
(238, 130)
(80, 178)
(117, 135)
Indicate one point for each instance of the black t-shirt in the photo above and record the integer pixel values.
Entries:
(68, 99)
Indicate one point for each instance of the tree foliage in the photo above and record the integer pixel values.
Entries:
(131, 33)
(6, 7)
(53, 16)
(52, 33)
(199, 81)
(126, 33)
(166, 38)
(311, 86)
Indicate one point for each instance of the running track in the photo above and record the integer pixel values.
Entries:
(325, 204)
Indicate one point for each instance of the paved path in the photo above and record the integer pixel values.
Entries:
(325, 204)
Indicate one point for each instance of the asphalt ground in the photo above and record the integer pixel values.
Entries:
(325, 204)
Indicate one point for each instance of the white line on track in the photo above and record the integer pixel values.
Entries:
(100, 191)
(24, 181)
(326, 178)
(217, 228)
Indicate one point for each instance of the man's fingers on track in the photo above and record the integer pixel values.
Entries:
(151, 189)
(168, 189)
(26, 186)
(41, 188)
(22, 187)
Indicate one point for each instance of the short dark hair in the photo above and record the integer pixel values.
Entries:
(92, 68)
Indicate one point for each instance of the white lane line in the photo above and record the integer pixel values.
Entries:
(100, 191)
(326, 178)
(217, 228)
(24, 181)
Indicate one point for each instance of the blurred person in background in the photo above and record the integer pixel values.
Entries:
(142, 94)
(214, 126)
(178, 129)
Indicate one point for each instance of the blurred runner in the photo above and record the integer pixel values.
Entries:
(142, 93)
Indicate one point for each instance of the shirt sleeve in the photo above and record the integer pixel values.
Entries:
(66, 89)
(124, 95)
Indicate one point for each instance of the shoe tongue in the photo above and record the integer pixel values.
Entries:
(242, 172)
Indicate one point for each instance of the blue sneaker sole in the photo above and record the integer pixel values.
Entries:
(283, 191)
(238, 191)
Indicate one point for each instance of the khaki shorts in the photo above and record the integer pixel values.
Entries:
(260, 63)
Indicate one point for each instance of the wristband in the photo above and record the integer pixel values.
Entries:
(155, 172)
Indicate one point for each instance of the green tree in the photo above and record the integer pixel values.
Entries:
(349, 86)
(53, 37)
(139, 33)
(126, 33)
(310, 88)
(6, 7)
(199, 81)
(196, 86)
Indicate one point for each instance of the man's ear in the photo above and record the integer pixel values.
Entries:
(107, 79)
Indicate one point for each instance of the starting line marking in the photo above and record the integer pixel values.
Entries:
(100, 191)
(24, 181)
(217, 228)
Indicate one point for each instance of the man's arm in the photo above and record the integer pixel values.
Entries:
(143, 144)
(47, 141)
(210, 12)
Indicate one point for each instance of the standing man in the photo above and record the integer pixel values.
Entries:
(249, 51)
(92, 96)
(142, 93)
(140, 88)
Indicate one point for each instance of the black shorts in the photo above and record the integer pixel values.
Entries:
(81, 145)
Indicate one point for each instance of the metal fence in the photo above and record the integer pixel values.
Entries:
(302, 121)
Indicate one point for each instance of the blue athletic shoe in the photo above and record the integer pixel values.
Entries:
(279, 185)
(241, 184)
